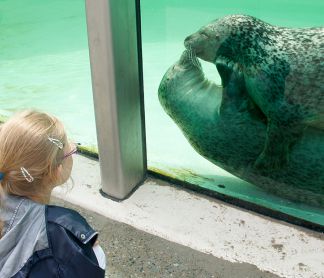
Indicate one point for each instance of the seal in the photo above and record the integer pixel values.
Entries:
(224, 127)
(282, 73)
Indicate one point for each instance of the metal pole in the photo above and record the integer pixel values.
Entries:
(114, 47)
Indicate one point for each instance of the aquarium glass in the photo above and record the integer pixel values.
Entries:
(165, 25)
(44, 64)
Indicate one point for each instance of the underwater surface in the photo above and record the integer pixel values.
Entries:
(45, 65)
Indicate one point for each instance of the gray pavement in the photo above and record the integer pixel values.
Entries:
(134, 253)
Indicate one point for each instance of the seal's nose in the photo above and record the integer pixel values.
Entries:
(187, 41)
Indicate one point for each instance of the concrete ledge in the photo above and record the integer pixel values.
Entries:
(203, 224)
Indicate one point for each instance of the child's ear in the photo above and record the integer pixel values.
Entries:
(59, 171)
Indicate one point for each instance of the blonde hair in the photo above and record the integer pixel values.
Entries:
(24, 142)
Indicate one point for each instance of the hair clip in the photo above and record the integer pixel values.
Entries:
(26, 174)
(1, 176)
(57, 142)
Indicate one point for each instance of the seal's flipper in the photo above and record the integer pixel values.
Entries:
(231, 76)
(285, 128)
(226, 68)
(284, 119)
(224, 71)
(234, 94)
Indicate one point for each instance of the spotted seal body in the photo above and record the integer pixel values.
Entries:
(222, 126)
(282, 73)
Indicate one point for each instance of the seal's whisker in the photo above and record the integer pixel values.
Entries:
(193, 58)
(190, 53)
(196, 61)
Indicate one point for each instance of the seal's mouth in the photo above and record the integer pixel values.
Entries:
(189, 59)
(191, 46)
(196, 41)
(186, 68)
(187, 41)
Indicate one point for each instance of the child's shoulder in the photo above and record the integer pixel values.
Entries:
(71, 221)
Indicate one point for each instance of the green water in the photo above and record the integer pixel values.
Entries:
(45, 65)
(45, 62)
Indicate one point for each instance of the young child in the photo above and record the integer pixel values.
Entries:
(37, 239)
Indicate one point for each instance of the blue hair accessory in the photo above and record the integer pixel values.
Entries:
(1, 176)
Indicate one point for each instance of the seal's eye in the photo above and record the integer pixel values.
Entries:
(203, 33)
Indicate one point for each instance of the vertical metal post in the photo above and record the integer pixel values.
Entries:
(117, 91)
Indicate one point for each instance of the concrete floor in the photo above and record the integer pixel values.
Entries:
(162, 230)
(134, 253)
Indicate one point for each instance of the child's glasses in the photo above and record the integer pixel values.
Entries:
(73, 151)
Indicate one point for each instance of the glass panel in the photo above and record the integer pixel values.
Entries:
(45, 62)
(254, 117)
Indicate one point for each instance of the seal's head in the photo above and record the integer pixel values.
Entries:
(205, 42)
(228, 37)
(180, 77)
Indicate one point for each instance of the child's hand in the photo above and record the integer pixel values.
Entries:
(96, 243)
